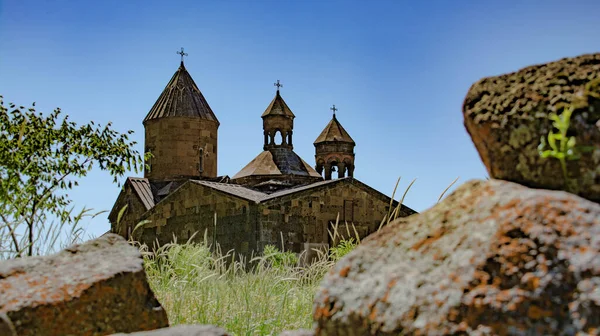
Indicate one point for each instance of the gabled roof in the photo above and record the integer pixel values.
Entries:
(141, 187)
(334, 132)
(277, 161)
(181, 98)
(278, 107)
(233, 189)
(286, 192)
(260, 197)
(319, 184)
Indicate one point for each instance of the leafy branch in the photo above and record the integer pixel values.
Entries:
(41, 157)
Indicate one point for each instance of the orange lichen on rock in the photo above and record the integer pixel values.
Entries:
(512, 266)
(96, 288)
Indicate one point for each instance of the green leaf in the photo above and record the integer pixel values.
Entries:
(551, 141)
(121, 212)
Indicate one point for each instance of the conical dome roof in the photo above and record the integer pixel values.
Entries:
(278, 107)
(334, 132)
(181, 98)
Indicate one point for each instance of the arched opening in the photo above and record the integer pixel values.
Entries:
(201, 160)
(334, 169)
(278, 138)
(349, 168)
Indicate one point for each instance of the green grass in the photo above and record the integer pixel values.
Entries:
(195, 285)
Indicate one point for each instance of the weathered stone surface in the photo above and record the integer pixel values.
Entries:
(182, 330)
(299, 332)
(96, 288)
(494, 258)
(507, 115)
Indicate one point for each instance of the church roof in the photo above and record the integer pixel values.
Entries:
(260, 197)
(277, 161)
(278, 107)
(234, 189)
(334, 132)
(181, 98)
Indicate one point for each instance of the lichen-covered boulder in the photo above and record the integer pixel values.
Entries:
(507, 115)
(96, 288)
(182, 330)
(493, 258)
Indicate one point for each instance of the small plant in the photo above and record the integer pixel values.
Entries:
(562, 148)
(279, 259)
(344, 247)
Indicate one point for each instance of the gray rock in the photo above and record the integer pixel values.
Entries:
(182, 330)
(96, 288)
(493, 258)
(507, 115)
(299, 332)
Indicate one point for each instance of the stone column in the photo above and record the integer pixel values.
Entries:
(341, 169)
(266, 138)
(328, 172)
(319, 169)
(351, 170)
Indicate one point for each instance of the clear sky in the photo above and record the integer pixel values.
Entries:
(397, 70)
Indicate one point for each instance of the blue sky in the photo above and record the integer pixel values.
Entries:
(397, 70)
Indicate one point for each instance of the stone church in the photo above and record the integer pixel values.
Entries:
(277, 198)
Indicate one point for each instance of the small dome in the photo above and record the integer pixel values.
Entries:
(334, 132)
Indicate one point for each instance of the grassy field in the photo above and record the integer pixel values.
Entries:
(196, 285)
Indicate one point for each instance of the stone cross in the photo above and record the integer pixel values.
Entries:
(333, 109)
(278, 85)
(182, 54)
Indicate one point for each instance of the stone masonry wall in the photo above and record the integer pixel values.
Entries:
(131, 215)
(304, 217)
(192, 210)
(175, 143)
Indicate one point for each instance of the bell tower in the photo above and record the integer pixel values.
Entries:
(278, 123)
(181, 132)
(334, 150)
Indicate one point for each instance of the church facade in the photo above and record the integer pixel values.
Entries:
(277, 198)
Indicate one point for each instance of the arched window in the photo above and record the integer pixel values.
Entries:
(201, 162)
(278, 138)
(334, 169)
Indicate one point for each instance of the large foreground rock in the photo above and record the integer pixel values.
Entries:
(507, 115)
(494, 258)
(96, 288)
